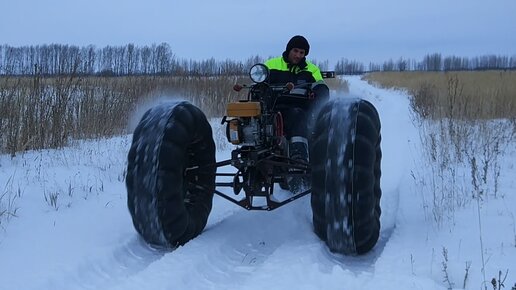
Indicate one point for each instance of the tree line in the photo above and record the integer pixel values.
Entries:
(430, 62)
(59, 59)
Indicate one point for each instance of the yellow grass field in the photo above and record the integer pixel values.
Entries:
(461, 95)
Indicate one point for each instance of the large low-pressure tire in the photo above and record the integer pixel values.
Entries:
(345, 157)
(167, 210)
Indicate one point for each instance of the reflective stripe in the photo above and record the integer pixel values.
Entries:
(300, 139)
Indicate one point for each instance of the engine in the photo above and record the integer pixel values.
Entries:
(246, 127)
(244, 131)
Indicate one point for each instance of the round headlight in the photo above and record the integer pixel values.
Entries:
(258, 73)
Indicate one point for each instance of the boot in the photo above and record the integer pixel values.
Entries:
(298, 150)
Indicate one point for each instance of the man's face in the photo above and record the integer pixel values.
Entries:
(296, 55)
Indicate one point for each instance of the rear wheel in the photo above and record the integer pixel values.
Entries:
(345, 156)
(168, 206)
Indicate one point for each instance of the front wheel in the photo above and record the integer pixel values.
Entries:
(345, 156)
(168, 206)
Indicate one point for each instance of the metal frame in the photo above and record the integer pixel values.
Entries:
(250, 170)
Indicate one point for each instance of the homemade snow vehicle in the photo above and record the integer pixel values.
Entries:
(172, 173)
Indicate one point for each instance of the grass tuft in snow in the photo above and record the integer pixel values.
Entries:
(8, 197)
(444, 265)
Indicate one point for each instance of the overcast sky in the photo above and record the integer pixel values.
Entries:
(364, 30)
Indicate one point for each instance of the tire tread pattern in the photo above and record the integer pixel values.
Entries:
(346, 155)
(166, 210)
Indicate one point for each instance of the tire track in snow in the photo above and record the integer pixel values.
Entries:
(226, 254)
(132, 256)
(245, 249)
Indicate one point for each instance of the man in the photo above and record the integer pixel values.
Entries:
(292, 67)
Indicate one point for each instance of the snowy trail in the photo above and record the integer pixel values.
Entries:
(241, 249)
(238, 249)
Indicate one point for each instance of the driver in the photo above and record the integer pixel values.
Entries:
(293, 67)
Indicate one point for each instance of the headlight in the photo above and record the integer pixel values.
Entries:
(258, 73)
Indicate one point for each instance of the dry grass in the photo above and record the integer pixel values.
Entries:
(47, 112)
(458, 95)
(338, 84)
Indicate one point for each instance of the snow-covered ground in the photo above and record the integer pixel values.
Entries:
(72, 229)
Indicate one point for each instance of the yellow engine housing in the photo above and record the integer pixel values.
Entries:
(243, 109)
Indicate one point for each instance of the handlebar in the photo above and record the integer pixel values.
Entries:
(288, 87)
(282, 91)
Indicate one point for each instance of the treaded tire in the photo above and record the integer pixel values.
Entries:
(166, 209)
(345, 154)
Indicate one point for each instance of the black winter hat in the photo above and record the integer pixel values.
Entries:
(298, 41)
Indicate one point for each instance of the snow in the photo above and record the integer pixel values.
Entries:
(81, 236)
